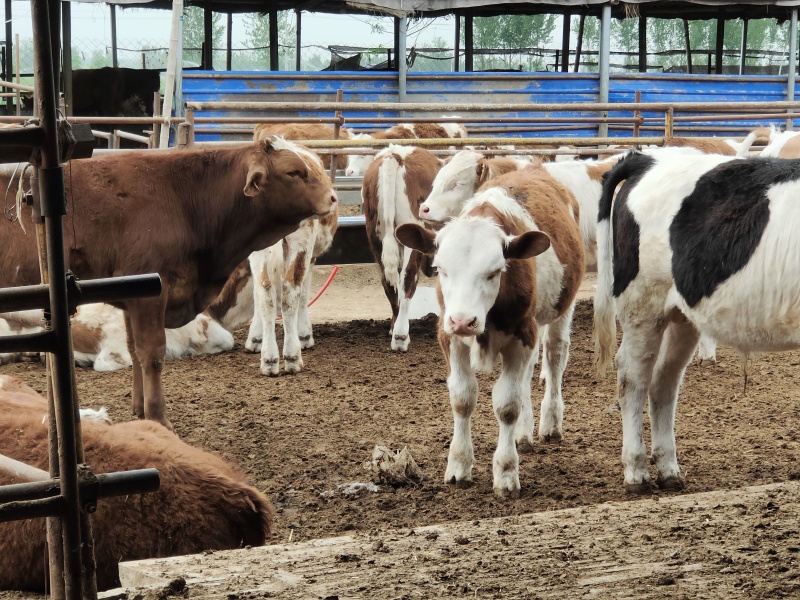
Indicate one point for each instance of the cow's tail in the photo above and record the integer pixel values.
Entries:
(762, 133)
(604, 335)
(387, 201)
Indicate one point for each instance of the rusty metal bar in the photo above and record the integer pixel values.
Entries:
(44, 341)
(53, 506)
(491, 108)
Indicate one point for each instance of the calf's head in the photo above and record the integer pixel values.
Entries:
(357, 163)
(290, 177)
(471, 255)
(455, 183)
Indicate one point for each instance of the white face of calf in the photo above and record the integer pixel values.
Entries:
(453, 186)
(471, 253)
(357, 163)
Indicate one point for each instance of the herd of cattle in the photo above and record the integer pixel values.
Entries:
(688, 241)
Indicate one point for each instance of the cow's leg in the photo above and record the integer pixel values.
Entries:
(304, 330)
(556, 353)
(266, 304)
(409, 275)
(543, 336)
(255, 335)
(291, 296)
(707, 350)
(463, 386)
(150, 345)
(509, 394)
(677, 347)
(137, 394)
(394, 302)
(636, 358)
(525, 423)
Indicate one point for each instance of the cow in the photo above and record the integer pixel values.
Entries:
(780, 144)
(395, 184)
(203, 503)
(302, 131)
(707, 145)
(282, 278)
(493, 296)
(690, 244)
(357, 164)
(191, 216)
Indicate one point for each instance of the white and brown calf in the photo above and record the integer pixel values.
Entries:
(494, 294)
(282, 287)
(357, 164)
(395, 185)
(690, 244)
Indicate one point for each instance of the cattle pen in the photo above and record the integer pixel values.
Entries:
(311, 444)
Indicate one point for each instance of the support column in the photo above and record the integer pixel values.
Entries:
(688, 46)
(604, 63)
(298, 45)
(579, 45)
(565, 33)
(456, 45)
(8, 67)
(113, 9)
(468, 44)
(402, 68)
(743, 47)
(66, 58)
(642, 43)
(396, 45)
(229, 44)
(273, 39)
(208, 35)
(719, 46)
(792, 75)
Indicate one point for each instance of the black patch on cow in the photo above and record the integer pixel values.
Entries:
(720, 224)
(624, 228)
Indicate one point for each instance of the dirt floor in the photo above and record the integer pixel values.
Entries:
(299, 438)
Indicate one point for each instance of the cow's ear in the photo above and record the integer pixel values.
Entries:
(530, 243)
(416, 237)
(256, 180)
(482, 172)
(267, 143)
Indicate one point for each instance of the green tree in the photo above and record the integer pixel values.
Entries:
(256, 26)
(590, 43)
(194, 31)
(511, 32)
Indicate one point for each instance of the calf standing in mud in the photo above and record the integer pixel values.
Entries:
(494, 294)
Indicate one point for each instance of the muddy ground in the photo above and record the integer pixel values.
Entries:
(299, 437)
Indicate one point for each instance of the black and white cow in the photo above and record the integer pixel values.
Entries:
(690, 244)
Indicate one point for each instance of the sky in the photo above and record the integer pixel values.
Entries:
(92, 20)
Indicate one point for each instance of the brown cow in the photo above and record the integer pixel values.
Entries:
(395, 184)
(705, 145)
(302, 131)
(203, 502)
(493, 296)
(190, 216)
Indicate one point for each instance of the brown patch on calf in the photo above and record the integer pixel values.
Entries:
(297, 270)
(234, 285)
(86, 339)
(791, 149)
(596, 171)
(705, 145)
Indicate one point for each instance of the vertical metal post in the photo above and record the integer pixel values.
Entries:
(298, 46)
(396, 44)
(16, 72)
(336, 128)
(792, 74)
(579, 44)
(469, 64)
(229, 44)
(8, 67)
(669, 124)
(743, 49)
(688, 47)
(208, 36)
(565, 33)
(642, 43)
(637, 114)
(273, 40)
(113, 9)
(720, 43)
(457, 46)
(604, 64)
(402, 67)
(66, 26)
(53, 207)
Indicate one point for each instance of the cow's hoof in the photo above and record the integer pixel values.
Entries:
(506, 494)
(461, 484)
(306, 342)
(673, 483)
(293, 364)
(253, 345)
(400, 343)
(270, 366)
(525, 446)
(638, 489)
(553, 437)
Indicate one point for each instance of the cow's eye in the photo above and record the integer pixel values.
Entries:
(297, 173)
(441, 272)
(493, 274)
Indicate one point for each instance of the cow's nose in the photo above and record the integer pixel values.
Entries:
(424, 211)
(464, 325)
(348, 172)
(334, 198)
